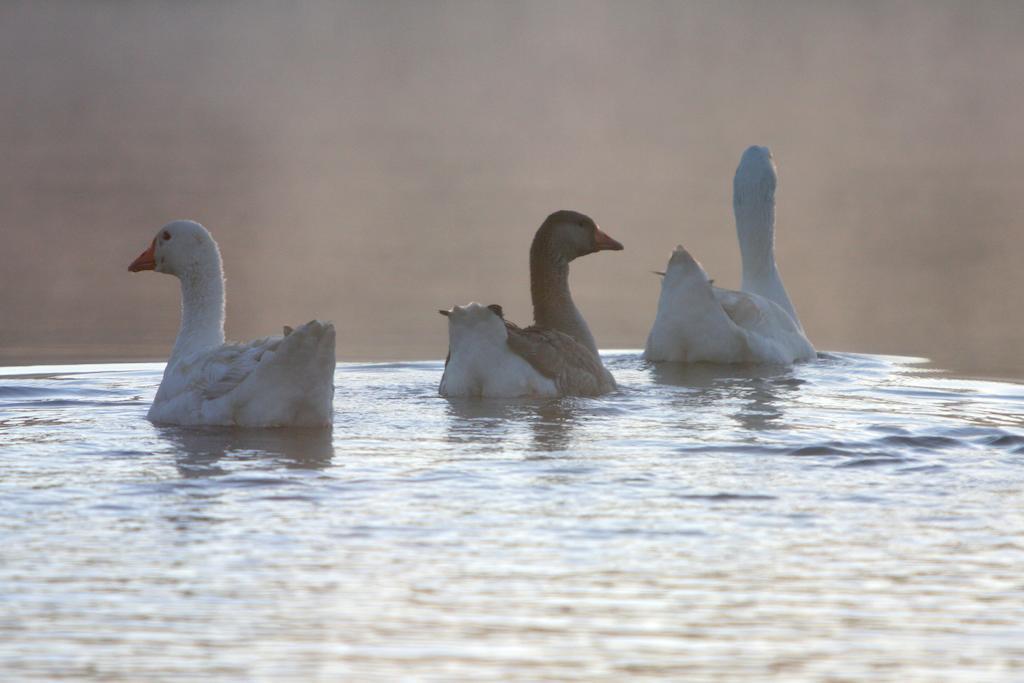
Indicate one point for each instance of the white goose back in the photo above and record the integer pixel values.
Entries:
(700, 323)
(480, 362)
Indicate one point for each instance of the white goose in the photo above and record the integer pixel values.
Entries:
(271, 382)
(697, 322)
(556, 356)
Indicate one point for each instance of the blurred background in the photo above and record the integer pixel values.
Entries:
(371, 162)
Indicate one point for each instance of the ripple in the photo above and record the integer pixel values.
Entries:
(856, 514)
(820, 450)
(874, 462)
(1006, 440)
(924, 469)
(727, 497)
(926, 443)
(23, 392)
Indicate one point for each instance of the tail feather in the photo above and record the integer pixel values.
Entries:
(309, 344)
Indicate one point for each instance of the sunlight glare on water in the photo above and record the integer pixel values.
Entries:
(859, 517)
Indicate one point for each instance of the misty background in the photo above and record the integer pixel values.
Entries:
(371, 162)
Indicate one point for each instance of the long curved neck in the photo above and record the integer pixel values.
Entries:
(755, 229)
(202, 309)
(553, 306)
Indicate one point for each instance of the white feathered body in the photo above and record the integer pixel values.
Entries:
(285, 381)
(271, 382)
(697, 322)
(480, 362)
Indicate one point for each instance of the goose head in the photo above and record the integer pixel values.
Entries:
(755, 179)
(180, 248)
(566, 235)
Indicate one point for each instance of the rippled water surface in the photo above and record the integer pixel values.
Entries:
(855, 518)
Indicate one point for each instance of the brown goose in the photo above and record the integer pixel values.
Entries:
(556, 356)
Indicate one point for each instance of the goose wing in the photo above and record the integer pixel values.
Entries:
(228, 366)
(741, 307)
(756, 314)
(559, 357)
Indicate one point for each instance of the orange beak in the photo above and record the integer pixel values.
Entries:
(606, 243)
(146, 260)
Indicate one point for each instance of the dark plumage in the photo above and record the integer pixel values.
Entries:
(560, 358)
(559, 345)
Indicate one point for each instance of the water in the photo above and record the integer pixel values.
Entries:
(857, 518)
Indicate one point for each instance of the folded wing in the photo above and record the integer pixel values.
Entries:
(559, 357)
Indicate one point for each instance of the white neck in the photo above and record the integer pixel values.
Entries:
(755, 229)
(202, 309)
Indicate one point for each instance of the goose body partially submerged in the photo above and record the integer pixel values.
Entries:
(277, 381)
(698, 322)
(481, 361)
(557, 356)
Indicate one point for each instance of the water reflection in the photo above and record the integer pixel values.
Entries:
(480, 423)
(200, 449)
(553, 424)
(589, 507)
(496, 422)
(761, 390)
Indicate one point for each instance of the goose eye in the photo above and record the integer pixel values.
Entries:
(166, 236)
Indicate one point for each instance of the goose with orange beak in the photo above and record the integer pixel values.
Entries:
(280, 381)
(556, 356)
